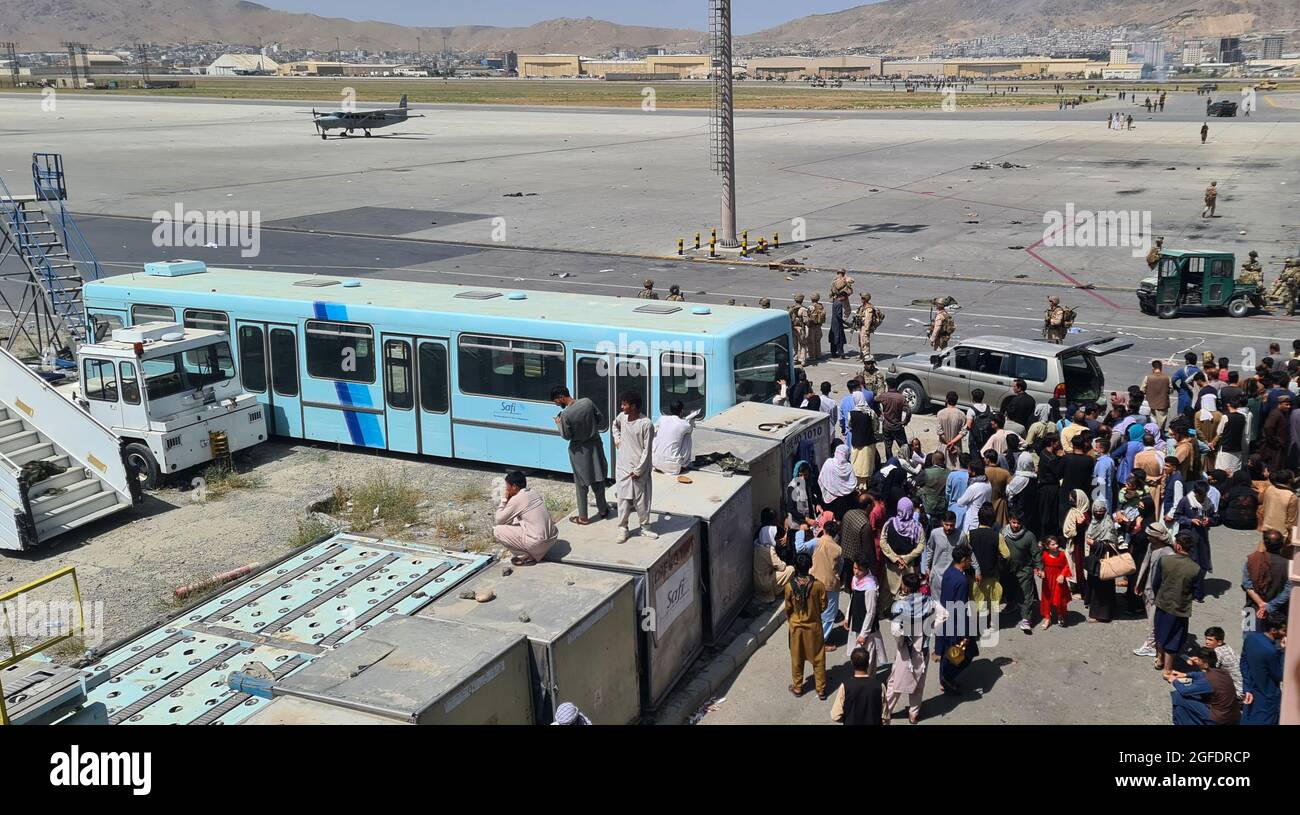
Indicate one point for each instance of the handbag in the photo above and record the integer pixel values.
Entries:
(956, 654)
(1116, 566)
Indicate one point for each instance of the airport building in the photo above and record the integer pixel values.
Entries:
(843, 67)
(988, 68)
(668, 66)
(1193, 52)
(314, 67)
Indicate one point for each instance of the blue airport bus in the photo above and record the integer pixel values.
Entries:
(449, 370)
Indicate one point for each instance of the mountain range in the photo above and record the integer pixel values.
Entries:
(893, 26)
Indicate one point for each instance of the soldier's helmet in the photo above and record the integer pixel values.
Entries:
(764, 303)
(869, 359)
(674, 289)
(866, 297)
(1053, 301)
(649, 284)
(1253, 253)
(1160, 240)
(798, 298)
(817, 296)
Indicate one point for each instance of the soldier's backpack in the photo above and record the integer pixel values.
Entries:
(877, 318)
(1070, 314)
(948, 325)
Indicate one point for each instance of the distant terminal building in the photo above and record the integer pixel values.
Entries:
(1119, 53)
(1131, 70)
(675, 66)
(1193, 52)
(1271, 48)
(841, 67)
(1230, 50)
(314, 67)
(986, 68)
(242, 65)
(98, 62)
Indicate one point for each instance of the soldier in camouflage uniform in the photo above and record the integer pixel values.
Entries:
(648, 293)
(841, 283)
(867, 319)
(1251, 272)
(799, 316)
(816, 319)
(1290, 278)
(1054, 326)
(1153, 256)
(675, 294)
(872, 378)
(942, 327)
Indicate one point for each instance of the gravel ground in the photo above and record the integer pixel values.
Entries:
(131, 562)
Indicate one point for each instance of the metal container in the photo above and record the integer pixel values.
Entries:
(424, 671)
(724, 505)
(766, 478)
(666, 575)
(787, 426)
(581, 624)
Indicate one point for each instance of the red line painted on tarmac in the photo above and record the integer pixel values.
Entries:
(1029, 250)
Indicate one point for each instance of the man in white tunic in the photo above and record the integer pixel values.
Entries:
(523, 523)
(633, 439)
(672, 447)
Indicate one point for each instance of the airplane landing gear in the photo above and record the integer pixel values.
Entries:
(367, 134)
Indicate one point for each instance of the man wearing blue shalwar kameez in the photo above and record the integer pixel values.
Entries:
(1261, 672)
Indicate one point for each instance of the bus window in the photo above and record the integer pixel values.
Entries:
(681, 377)
(100, 380)
(103, 324)
(433, 377)
(590, 381)
(397, 375)
(284, 362)
(523, 370)
(757, 370)
(152, 314)
(212, 320)
(130, 385)
(252, 358)
(342, 351)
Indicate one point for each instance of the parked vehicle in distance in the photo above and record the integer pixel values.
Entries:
(1197, 279)
(1070, 373)
(1223, 109)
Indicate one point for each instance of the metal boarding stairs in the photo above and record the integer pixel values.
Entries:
(59, 467)
(51, 258)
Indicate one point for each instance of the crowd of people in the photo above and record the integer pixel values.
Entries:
(1026, 509)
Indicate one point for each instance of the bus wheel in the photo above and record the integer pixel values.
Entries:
(1238, 308)
(141, 463)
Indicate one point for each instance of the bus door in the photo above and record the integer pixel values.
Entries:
(268, 367)
(416, 395)
(603, 378)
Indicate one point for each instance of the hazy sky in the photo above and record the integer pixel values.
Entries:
(748, 15)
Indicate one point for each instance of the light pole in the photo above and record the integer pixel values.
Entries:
(723, 129)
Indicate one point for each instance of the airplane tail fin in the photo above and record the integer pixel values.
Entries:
(402, 104)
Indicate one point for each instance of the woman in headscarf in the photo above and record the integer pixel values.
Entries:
(1209, 424)
(803, 496)
(1042, 427)
(1157, 440)
(1022, 493)
(1073, 528)
(1132, 447)
(771, 573)
(1051, 469)
(863, 432)
(838, 482)
(1100, 538)
(902, 541)
(956, 485)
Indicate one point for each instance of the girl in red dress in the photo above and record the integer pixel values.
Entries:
(1055, 596)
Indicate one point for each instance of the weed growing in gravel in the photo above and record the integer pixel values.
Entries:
(470, 492)
(558, 506)
(69, 650)
(310, 530)
(219, 480)
(452, 524)
(381, 499)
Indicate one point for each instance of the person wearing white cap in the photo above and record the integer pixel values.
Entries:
(568, 713)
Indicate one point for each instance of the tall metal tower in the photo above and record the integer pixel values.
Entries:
(142, 53)
(85, 59)
(72, 62)
(722, 129)
(11, 54)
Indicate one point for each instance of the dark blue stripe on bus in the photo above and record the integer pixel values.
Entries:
(339, 313)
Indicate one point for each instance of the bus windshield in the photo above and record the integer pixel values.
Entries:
(189, 370)
(758, 369)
